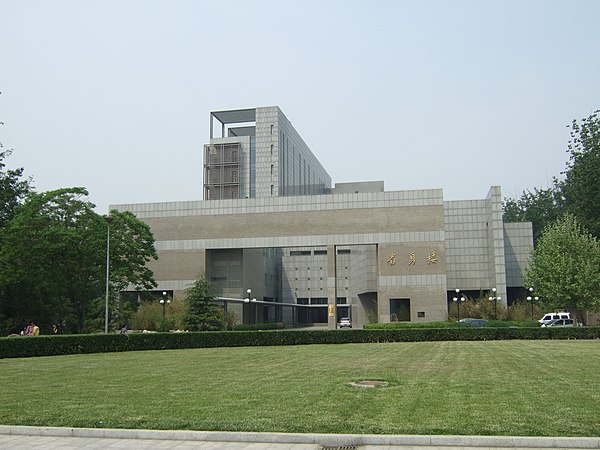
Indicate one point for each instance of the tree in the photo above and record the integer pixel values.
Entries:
(565, 267)
(540, 207)
(581, 187)
(204, 313)
(13, 189)
(54, 250)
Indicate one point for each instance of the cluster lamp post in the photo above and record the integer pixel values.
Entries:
(164, 301)
(495, 299)
(531, 298)
(248, 300)
(457, 299)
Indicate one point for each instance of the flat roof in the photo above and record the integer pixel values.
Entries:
(235, 115)
(242, 131)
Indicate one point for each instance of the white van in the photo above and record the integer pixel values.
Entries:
(549, 317)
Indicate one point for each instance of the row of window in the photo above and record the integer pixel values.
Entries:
(341, 251)
(320, 301)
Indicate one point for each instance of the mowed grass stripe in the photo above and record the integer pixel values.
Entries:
(526, 388)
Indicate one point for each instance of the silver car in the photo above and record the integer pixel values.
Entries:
(560, 323)
(345, 322)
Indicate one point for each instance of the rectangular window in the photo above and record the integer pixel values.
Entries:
(299, 252)
(399, 309)
(318, 301)
(320, 252)
(343, 251)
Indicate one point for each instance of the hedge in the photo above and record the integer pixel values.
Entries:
(447, 324)
(18, 347)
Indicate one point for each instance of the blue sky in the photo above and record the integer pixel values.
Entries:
(115, 95)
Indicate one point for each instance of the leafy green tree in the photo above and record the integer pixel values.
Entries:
(204, 313)
(581, 187)
(540, 207)
(565, 267)
(13, 189)
(54, 249)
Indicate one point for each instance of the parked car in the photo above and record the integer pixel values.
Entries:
(345, 322)
(560, 323)
(478, 323)
(549, 317)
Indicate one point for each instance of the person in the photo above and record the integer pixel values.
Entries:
(36, 330)
(124, 329)
(28, 331)
(54, 328)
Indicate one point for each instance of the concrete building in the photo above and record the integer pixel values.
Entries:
(259, 154)
(310, 253)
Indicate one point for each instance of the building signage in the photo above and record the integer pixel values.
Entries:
(412, 258)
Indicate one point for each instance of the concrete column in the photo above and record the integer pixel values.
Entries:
(331, 287)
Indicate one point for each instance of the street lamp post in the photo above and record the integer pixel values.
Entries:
(531, 298)
(458, 299)
(108, 221)
(248, 300)
(164, 301)
(495, 299)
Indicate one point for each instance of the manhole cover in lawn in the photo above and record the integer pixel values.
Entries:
(369, 384)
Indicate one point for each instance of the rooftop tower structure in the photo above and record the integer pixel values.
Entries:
(257, 153)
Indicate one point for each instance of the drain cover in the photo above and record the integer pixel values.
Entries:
(369, 384)
(343, 447)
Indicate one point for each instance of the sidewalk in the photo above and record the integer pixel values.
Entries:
(21, 437)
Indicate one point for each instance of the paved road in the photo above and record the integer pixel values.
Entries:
(14, 437)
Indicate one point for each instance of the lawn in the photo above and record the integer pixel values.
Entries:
(527, 388)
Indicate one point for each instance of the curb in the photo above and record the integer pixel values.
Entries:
(326, 440)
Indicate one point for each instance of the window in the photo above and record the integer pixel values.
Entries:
(320, 252)
(399, 309)
(420, 313)
(271, 189)
(343, 251)
(299, 253)
(271, 130)
(318, 301)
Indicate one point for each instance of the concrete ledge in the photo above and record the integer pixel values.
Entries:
(328, 440)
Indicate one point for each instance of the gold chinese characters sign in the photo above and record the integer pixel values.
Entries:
(412, 258)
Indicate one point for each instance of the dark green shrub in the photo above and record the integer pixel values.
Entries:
(258, 326)
(17, 347)
(512, 323)
(404, 325)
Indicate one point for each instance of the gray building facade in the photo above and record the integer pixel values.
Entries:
(312, 253)
(258, 153)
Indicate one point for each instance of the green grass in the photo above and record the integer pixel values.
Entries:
(528, 388)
